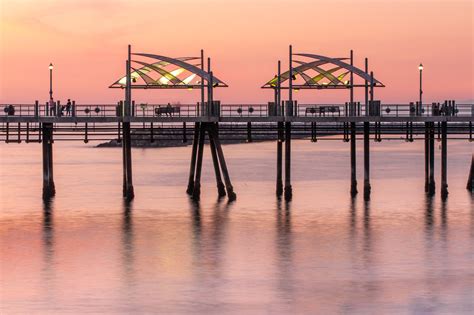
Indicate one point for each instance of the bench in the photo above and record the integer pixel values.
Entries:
(167, 110)
(322, 110)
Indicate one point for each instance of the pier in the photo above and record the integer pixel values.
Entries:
(209, 120)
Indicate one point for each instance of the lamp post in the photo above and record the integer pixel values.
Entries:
(51, 82)
(420, 67)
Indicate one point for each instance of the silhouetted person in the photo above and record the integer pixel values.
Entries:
(10, 110)
(68, 107)
(52, 108)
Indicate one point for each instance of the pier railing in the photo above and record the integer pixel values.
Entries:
(235, 110)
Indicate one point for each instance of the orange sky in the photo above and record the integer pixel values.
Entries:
(87, 39)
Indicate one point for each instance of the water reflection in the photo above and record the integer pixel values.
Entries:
(284, 249)
(128, 246)
(48, 270)
(209, 236)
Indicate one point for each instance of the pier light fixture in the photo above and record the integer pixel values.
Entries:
(51, 82)
(420, 67)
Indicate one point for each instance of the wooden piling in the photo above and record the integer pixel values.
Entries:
(200, 152)
(249, 131)
(427, 156)
(470, 179)
(192, 167)
(220, 153)
(288, 188)
(353, 160)
(367, 187)
(444, 160)
(431, 185)
(215, 161)
(279, 180)
(127, 154)
(49, 189)
(185, 139)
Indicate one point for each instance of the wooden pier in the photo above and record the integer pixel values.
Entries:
(279, 119)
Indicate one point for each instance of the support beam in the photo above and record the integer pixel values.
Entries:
(127, 155)
(279, 180)
(200, 152)
(288, 188)
(220, 153)
(444, 160)
(217, 171)
(367, 187)
(249, 131)
(431, 185)
(47, 145)
(185, 139)
(192, 167)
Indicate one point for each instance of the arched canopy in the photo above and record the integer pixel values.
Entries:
(165, 72)
(321, 72)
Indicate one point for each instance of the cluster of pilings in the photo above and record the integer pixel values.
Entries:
(218, 160)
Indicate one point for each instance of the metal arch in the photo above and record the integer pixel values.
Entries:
(184, 65)
(323, 74)
(161, 71)
(286, 75)
(344, 65)
(326, 74)
(143, 75)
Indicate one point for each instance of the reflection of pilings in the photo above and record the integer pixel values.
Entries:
(444, 219)
(47, 145)
(127, 244)
(284, 247)
(471, 176)
(279, 180)
(48, 232)
(48, 245)
(444, 160)
(429, 218)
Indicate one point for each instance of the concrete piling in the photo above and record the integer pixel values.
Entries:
(47, 146)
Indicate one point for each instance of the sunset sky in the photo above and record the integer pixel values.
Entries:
(87, 41)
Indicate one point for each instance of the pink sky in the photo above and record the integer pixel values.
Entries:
(87, 39)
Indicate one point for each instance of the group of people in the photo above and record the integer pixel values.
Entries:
(63, 109)
(446, 109)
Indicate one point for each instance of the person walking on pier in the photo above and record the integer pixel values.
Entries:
(68, 107)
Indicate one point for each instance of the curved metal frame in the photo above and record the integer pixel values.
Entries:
(313, 82)
(168, 75)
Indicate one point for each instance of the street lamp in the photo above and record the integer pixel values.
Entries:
(51, 83)
(420, 67)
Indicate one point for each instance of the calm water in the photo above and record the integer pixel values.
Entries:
(88, 252)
